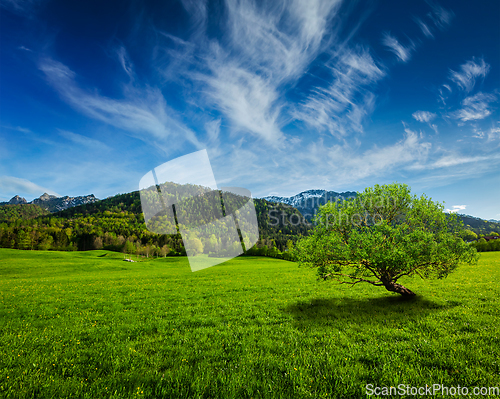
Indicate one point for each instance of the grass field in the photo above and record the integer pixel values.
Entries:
(88, 325)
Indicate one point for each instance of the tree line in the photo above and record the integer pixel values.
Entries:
(117, 224)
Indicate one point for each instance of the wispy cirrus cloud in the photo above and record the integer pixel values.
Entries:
(378, 161)
(249, 101)
(469, 72)
(456, 159)
(269, 46)
(339, 165)
(144, 111)
(423, 116)
(440, 16)
(125, 62)
(490, 135)
(402, 52)
(494, 134)
(83, 140)
(426, 30)
(345, 165)
(475, 107)
(341, 106)
(16, 186)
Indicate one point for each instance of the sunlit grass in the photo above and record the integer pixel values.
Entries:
(87, 324)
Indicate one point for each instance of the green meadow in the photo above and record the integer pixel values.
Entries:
(89, 325)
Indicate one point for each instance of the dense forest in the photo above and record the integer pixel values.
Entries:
(117, 224)
(480, 226)
(10, 213)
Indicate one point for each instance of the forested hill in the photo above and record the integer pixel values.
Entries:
(117, 223)
(11, 213)
(480, 226)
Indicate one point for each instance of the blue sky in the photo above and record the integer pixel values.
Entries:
(285, 96)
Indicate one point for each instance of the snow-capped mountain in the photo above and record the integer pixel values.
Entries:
(53, 203)
(308, 202)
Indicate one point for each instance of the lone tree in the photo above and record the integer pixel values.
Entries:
(383, 234)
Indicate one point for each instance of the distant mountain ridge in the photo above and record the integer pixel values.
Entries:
(117, 223)
(53, 203)
(308, 202)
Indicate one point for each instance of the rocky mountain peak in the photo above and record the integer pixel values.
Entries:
(308, 202)
(52, 203)
(46, 197)
(17, 200)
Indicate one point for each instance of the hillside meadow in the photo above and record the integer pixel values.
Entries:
(89, 325)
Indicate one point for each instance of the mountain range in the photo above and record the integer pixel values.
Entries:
(308, 202)
(117, 223)
(53, 203)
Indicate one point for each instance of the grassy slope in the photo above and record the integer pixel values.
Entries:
(89, 325)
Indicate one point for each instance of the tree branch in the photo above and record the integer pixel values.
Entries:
(358, 279)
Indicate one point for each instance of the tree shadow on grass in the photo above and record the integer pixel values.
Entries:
(381, 310)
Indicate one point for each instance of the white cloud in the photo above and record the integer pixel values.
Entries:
(83, 140)
(453, 160)
(348, 166)
(378, 161)
(440, 16)
(456, 208)
(403, 53)
(426, 30)
(198, 12)
(478, 133)
(494, 134)
(213, 141)
(465, 79)
(423, 116)
(144, 111)
(213, 130)
(15, 186)
(475, 107)
(124, 60)
(248, 100)
(173, 59)
(342, 106)
(268, 45)
(266, 48)
(22, 129)
(326, 166)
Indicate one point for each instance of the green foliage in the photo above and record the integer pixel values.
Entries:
(11, 213)
(482, 245)
(381, 235)
(89, 325)
(480, 226)
(469, 235)
(117, 224)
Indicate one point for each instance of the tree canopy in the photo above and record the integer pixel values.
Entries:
(383, 234)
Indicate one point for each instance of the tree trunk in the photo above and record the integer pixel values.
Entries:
(398, 288)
